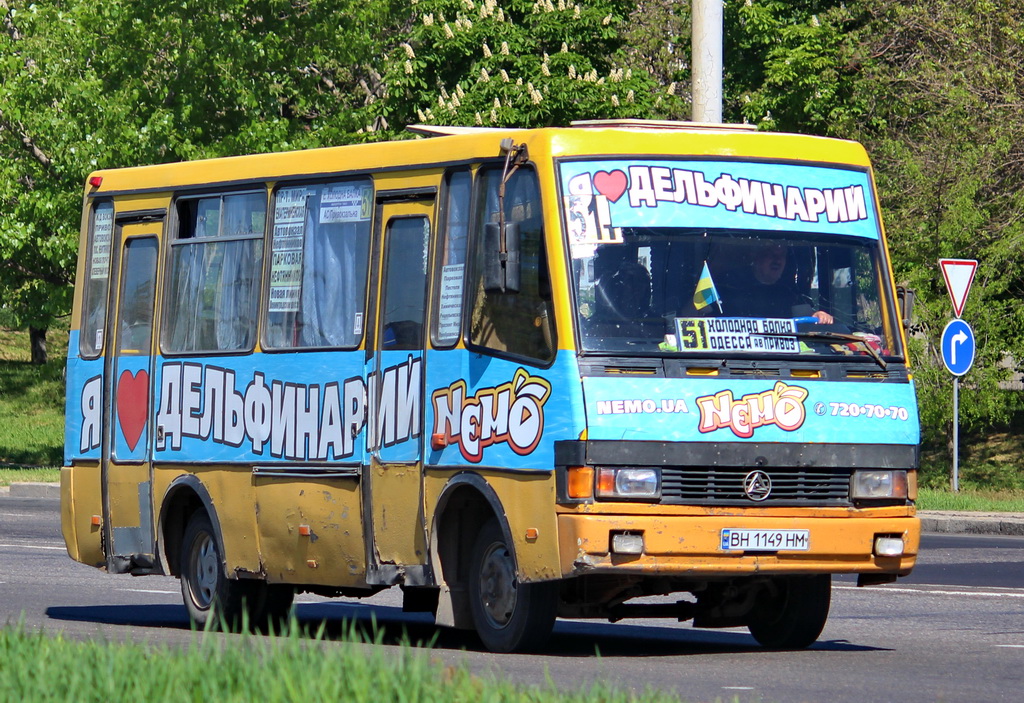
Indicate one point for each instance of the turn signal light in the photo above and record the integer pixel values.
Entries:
(581, 481)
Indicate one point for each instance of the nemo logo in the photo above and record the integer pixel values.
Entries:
(511, 413)
(782, 406)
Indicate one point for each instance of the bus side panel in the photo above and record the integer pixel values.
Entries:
(328, 511)
(495, 412)
(81, 499)
(231, 492)
(83, 405)
(528, 501)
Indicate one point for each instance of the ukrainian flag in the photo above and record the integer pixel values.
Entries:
(706, 292)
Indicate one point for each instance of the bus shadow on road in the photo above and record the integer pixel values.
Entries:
(338, 621)
(172, 616)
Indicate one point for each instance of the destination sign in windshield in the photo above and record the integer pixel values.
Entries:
(742, 334)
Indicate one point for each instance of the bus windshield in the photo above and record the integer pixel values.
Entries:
(734, 292)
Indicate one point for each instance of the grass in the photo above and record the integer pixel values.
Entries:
(292, 667)
(31, 402)
(21, 475)
(971, 500)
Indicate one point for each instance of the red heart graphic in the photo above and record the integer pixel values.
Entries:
(132, 405)
(611, 184)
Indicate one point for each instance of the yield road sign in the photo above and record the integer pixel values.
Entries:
(959, 274)
(958, 347)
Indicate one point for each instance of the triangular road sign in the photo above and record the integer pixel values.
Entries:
(959, 275)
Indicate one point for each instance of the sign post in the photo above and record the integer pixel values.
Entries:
(957, 341)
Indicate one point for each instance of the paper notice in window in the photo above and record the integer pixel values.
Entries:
(451, 302)
(286, 250)
(346, 203)
(102, 228)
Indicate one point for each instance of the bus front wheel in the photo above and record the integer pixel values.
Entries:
(207, 591)
(792, 611)
(509, 616)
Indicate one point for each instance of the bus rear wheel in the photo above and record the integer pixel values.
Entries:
(509, 616)
(210, 596)
(792, 611)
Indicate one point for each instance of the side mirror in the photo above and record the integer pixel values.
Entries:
(501, 258)
(905, 298)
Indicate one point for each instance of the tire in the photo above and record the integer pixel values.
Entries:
(210, 597)
(508, 616)
(792, 613)
(277, 608)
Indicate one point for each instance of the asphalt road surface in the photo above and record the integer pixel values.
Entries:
(952, 631)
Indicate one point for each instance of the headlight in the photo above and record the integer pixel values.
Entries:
(878, 484)
(629, 483)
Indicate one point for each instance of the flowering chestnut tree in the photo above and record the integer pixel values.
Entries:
(521, 63)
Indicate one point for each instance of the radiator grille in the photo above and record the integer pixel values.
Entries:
(714, 485)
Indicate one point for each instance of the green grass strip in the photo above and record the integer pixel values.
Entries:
(9, 476)
(293, 667)
(978, 500)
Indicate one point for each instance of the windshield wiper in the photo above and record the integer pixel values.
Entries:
(839, 336)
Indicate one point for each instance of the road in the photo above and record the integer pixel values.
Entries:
(953, 630)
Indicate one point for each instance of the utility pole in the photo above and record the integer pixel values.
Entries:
(706, 61)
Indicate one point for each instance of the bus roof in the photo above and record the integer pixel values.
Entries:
(452, 144)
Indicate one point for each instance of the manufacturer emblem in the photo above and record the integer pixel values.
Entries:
(757, 485)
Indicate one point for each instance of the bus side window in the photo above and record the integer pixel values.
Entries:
(320, 244)
(452, 266)
(213, 285)
(97, 278)
(521, 324)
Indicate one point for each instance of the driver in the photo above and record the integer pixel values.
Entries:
(625, 294)
(765, 293)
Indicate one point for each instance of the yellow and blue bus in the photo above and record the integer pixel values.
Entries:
(521, 374)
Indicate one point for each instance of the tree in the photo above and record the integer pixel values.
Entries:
(945, 81)
(513, 63)
(102, 85)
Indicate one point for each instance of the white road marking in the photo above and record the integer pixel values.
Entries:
(1011, 646)
(934, 591)
(738, 688)
(147, 590)
(35, 546)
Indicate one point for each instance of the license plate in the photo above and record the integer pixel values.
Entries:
(765, 540)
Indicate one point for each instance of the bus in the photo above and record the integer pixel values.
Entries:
(522, 374)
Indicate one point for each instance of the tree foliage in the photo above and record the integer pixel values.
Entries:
(515, 62)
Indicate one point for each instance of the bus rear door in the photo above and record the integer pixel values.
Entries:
(126, 463)
(393, 486)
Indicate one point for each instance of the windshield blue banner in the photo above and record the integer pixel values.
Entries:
(602, 197)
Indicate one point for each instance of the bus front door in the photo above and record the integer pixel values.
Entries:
(127, 468)
(393, 486)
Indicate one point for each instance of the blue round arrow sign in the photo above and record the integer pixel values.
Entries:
(958, 347)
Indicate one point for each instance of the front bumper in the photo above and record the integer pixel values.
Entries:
(690, 546)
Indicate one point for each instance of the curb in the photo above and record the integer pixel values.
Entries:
(939, 522)
(34, 490)
(932, 522)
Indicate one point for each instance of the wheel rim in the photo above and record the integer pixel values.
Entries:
(205, 565)
(498, 586)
